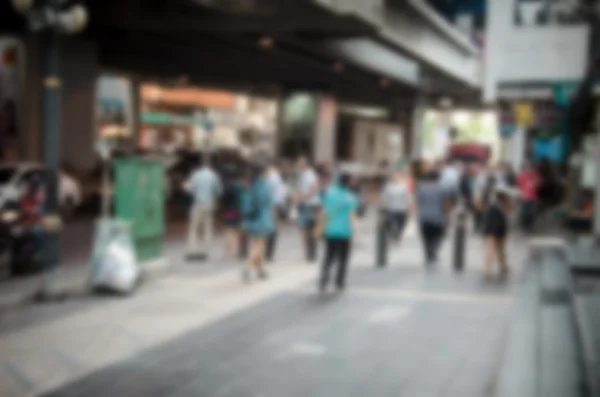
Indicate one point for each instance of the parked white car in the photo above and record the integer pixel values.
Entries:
(13, 183)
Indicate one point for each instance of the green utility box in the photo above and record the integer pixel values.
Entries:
(140, 199)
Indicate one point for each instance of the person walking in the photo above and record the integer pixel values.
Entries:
(433, 211)
(279, 197)
(258, 220)
(528, 182)
(339, 218)
(205, 187)
(397, 202)
(231, 204)
(309, 202)
(450, 179)
(495, 229)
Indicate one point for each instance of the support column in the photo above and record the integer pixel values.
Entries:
(80, 71)
(279, 125)
(325, 129)
(597, 193)
(416, 130)
(31, 137)
(135, 112)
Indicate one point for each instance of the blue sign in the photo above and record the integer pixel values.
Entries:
(552, 149)
(507, 130)
(563, 92)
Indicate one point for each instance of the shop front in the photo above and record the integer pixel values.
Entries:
(204, 120)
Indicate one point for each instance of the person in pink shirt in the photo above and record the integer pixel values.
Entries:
(528, 182)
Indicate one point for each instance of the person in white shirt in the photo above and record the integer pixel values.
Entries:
(205, 187)
(309, 203)
(397, 202)
(450, 179)
(279, 194)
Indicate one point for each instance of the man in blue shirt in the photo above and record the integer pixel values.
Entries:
(339, 210)
(433, 211)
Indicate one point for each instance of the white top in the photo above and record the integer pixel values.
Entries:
(307, 181)
(278, 187)
(450, 177)
(396, 197)
(205, 185)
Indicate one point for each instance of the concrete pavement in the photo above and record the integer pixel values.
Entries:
(396, 331)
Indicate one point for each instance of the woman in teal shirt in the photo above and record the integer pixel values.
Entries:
(258, 219)
(339, 209)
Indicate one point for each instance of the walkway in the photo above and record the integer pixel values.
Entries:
(396, 331)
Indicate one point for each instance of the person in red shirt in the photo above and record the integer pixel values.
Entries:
(528, 182)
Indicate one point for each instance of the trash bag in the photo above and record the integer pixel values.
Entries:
(115, 266)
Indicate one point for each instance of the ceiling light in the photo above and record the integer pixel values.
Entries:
(338, 67)
(73, 20)
(22, 6)
(266, 42)
(445, 102)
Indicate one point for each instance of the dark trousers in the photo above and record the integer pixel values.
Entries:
(478, 220)
(395, 224)
(336, 250)
(431, 235)
(528, 215)
(271, 245)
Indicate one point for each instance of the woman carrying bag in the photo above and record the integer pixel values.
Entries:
(336, 224)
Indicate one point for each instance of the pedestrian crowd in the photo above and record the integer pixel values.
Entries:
(252, 202)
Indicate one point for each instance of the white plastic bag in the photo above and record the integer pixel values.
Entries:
(115, 266)
(117, 270)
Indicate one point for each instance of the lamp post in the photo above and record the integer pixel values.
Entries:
(57, 17)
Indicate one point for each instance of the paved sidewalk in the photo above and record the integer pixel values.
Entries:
(40, 358)
(193, 334)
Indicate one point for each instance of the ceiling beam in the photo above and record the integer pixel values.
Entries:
(142, 21)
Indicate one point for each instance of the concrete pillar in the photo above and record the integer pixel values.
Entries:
(79, 71)
(597, 193)
(279, 125)
(325, 130)
(31, 114)
(416, 131)
(136, 107)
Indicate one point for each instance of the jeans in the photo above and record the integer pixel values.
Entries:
(431, 235)
(337, 249)
(395, 224)
(271, 245)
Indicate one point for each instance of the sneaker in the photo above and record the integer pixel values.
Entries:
(263, 275)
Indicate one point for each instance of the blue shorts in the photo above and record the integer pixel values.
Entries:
(308, 216)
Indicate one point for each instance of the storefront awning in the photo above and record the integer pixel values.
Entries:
(158, 118)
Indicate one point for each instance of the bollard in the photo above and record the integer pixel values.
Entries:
(459, 241)
(382, 241)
